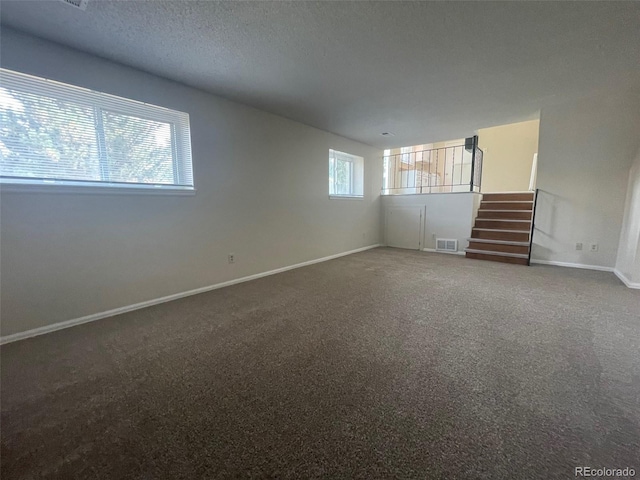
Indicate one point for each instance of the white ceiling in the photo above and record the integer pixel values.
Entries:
(425, 71)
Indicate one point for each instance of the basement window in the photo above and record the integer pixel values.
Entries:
(346, 175)
(55, 136)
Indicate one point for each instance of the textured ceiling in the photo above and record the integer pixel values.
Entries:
(425, 71)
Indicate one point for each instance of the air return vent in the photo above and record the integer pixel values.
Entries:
(446, 245)
(81, 4)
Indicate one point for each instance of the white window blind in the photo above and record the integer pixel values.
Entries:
(57, 134)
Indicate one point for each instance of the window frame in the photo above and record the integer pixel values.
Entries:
(349, 163)
(101, 103)
(336, 156)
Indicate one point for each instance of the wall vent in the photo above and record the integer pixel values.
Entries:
(81, 4)
(446, 245)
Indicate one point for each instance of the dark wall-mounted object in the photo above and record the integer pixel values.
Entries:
(470, 143)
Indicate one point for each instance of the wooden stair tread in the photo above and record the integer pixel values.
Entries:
(497, 258)
(517, 226)
(499, 242)
(508, 195)
(513, 235)
(512, 206)
(487, 214)
(500, 230)
(501, 254)
(498, 247)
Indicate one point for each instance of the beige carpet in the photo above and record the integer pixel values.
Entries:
(383, 364)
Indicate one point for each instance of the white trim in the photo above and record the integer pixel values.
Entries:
(534, 172)
(509, 192)
(136, 306)
(346, 197)
(94, 190)
(483, 219)
(433, 250)
(492, 210)
(625, 280)
(573, 265)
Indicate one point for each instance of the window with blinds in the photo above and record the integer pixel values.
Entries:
(57, 134)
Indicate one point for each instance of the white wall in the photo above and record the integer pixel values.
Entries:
(628, 261)
(447, 215)
(262, 193)
(586, 147)
(508, 155)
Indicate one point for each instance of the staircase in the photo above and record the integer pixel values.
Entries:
(502, 228)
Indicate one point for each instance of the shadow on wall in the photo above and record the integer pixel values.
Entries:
(546, 207)
(546, 243)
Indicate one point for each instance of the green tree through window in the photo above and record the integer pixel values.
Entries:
(52, 132)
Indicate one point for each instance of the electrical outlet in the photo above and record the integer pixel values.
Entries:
(232, 258)
(594, 247)
(578, 246)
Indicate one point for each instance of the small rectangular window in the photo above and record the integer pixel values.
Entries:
(346, 174)
(57, 134)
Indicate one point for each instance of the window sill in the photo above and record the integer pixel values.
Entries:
(346, 197)
(92, 189)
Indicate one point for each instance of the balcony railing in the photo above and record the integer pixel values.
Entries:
(455, 168)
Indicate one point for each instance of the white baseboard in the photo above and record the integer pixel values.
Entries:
(573, 265)
(129, 308)
(625, 280)
(441, 251)
(509, 191)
